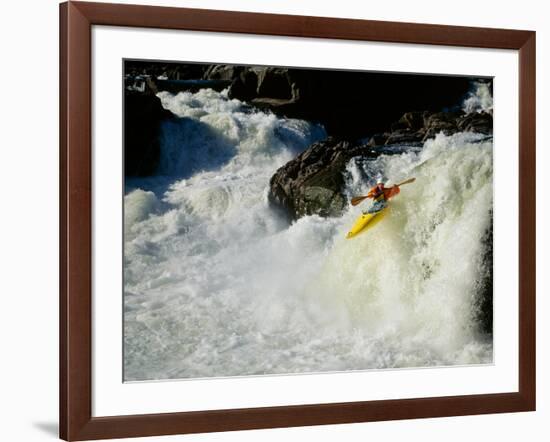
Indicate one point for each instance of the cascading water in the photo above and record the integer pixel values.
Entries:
(217, 284)
(480, 98)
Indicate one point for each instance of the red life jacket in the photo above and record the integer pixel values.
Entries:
(390, 192)
(376, 191)
(385, 192)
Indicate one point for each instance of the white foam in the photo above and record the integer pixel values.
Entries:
(480, 99)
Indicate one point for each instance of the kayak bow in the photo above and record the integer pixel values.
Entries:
(365, 222)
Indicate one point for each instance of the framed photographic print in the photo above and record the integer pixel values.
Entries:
(272, 220)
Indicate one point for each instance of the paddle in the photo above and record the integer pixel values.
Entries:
(357, 199)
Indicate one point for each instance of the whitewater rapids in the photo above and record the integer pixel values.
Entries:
(217, 284)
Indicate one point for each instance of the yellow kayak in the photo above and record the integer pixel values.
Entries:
(365, 222)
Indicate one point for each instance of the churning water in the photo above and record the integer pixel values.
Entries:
(217, 284)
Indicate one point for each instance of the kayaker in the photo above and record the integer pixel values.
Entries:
(381, 194)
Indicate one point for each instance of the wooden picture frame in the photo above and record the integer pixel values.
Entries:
(76, 421)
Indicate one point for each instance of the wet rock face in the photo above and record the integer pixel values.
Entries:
(445, 122)
(417, 127)
(143, 116)
(413, 121)
(313, 182)
(483, 304)
(349, 104)
(275, 83)
(221, 72)
(481, 122)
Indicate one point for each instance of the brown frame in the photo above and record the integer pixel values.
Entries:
(76, 421)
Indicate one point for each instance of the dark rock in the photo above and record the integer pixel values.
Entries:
(143, 115)
(150, 87)
(139, 84)
(476, 122)
(222, 72)
(414, 127)
(445, 122)
(349, 104)
(274, 83)
(378, 140)
(313, 182)
(264, 85)
(244, 86)
(413, 120)
(279, 106)
(399, 126)
(404, 136)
